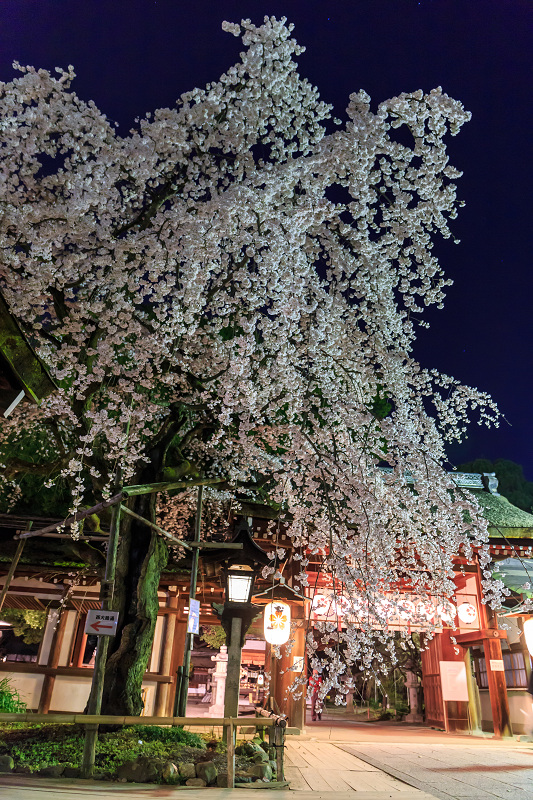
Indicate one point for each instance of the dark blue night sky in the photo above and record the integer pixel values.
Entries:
(132, 57)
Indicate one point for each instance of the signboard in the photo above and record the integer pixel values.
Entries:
(298, 664)
(103, 623)
(496, 665)
(453, 680)
(193, 621)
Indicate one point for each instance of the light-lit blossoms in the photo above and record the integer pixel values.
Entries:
(243, 277)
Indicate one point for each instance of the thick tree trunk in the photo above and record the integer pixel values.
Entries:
(142, 556)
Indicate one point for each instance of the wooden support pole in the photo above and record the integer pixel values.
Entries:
(154, 527)
(184, 684)
(11, 571)
(231, 754)
(167, 652)
(279, 744)
(233, 678)
(94, 703)
(501, 717)
(53, 661)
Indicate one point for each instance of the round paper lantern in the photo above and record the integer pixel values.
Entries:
(277, 622)
(467, 613)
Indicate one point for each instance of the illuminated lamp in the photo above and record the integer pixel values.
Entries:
(239, 583)
(528, 633)
(277, 622)
(467, 613)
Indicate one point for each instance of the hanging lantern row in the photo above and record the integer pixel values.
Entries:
(277, 624)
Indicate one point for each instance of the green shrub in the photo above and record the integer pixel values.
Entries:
(10, 700)
(43, 745)
(154, 733)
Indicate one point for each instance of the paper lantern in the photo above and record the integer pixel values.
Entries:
(467, 613)
(277, 622)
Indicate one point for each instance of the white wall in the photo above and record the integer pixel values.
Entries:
(28, 685)
(520, 709)
(70, 693)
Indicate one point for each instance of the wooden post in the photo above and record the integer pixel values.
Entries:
(184, 686)
(492, 649)
(167, 651)
(499, 702)
(233, 678)
(94, 703)
(11, 570)
(53, 661)
(231, 754)
(279, 744)
(474, 704)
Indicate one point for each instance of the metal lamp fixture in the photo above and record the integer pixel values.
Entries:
(239, 583)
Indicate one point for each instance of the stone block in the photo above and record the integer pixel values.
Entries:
(6, 764)
(140, 770)
(169, 771)
(198, 782)
(53, 771)
(71, 772)
(222, 780)
(207, 771)
(187, 769)
(262, 770)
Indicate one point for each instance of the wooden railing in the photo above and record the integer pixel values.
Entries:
(276, 726)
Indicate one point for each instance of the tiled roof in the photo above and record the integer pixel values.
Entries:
(500, 513)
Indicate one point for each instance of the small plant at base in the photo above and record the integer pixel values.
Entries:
(10, 700)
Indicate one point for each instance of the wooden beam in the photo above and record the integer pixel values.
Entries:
(473, 637)
(11, 572)
(154, 527)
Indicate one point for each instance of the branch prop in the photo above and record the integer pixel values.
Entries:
(155, 527)
(128, 491)
(74, 518)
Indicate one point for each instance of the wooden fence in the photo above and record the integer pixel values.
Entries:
(276, 729)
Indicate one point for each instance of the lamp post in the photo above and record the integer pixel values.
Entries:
(236, 615)
(239, 586)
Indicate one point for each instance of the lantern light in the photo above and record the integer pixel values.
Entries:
(277, 624)
(240, 578)
(528, 633)
(467, 613)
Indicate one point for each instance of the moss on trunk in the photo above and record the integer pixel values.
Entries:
(142, 556)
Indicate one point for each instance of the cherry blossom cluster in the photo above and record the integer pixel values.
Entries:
(198, 273)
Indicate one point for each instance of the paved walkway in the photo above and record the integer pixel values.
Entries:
(447, 767)
(455, 771)
(329, 769)
(350, 762)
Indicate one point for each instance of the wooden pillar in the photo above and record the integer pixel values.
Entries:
(297, 705)
(474, 700)
(499, 703)
(161, 708)
(283, 675)
(177, 650)
(53, 660)
(492, 649)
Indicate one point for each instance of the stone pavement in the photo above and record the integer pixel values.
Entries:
(445, 766)
(16, 787)
(346, 762)
(453, 771)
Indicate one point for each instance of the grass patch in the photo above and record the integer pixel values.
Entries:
(10, 700)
